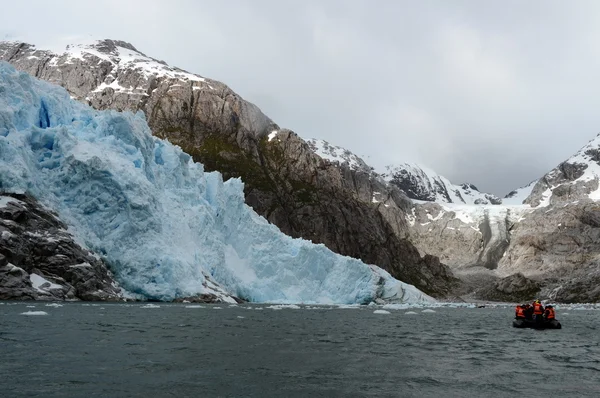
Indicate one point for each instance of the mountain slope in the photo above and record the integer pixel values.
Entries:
(541, 240)
(284, 181)
(121, 189)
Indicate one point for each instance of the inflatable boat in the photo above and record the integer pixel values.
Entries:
(530, 323)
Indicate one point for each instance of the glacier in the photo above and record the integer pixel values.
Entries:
(167, 228)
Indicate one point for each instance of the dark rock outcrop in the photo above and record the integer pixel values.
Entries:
(515, 287)
(349, 211)
(40, 260)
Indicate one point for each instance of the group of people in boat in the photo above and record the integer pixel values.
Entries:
(535, 312)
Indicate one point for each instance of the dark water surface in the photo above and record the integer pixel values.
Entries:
(125, 350)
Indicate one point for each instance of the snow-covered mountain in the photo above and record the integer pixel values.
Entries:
(421, 183)
(338, 155)
(417, 182)
(110, 61)
(166, 227)
(574, 179)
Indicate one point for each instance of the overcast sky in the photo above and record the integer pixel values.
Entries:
(494, 93)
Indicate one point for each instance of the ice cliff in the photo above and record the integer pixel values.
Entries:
(166, 227)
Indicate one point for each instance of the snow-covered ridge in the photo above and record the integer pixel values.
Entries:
(167, 228)
(125, 56)
(119, 58)
(418, 182)
(421, 183)
(339, 155)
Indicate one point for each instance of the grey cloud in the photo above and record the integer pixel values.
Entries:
(491, 93)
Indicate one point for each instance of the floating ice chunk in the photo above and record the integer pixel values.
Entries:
(282, 306)
(34, 313)
(381, 312)
(194, 306)
(410, 313)
(150, 306)
(216, 308)
(428, 311)
(240, 317)
(344, 307)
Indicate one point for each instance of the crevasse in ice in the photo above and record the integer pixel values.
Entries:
(166, 228)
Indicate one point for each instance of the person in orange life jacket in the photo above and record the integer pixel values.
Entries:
(520, 312)
(538, 311)
(549, 313)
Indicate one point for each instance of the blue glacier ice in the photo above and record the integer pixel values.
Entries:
(166, 228)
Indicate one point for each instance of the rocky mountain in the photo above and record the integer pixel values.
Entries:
(305, 195)
(39, 259)
(539, 240)
(421, 183)
(542, 241)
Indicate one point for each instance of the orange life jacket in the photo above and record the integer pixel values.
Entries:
(519, 312)
(538, 309)
(550, 314)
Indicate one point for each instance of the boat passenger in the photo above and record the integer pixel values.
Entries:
(538, 311)
(549, 313)
(520, 312)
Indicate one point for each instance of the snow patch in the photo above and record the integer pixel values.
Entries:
(42, 285)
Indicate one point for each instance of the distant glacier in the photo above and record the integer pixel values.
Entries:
(167, 228)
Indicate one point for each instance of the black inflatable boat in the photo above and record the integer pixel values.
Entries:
(529, 323)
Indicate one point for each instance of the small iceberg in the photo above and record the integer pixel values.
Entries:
(428, 311)
(410, 313)
(381, 312)
(34, 313)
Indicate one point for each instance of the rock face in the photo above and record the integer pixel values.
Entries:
(515, 287)
(420, 183)
(39, 259)
(560, 247)
(492, 248)
(349, 210)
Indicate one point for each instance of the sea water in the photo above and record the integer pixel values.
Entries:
(200, 350)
